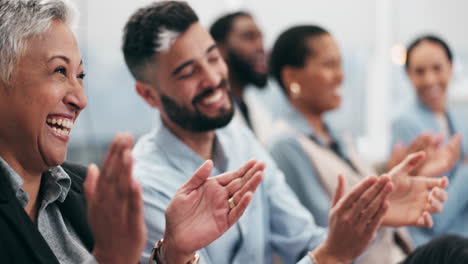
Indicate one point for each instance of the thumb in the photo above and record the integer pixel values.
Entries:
(90, 182)
(340, 189)
(398, 150)
(455, 142)
(409, 163)
(199, 177)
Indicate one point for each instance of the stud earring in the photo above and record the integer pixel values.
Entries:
(295, 90)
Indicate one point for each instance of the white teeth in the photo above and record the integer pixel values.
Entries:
(61, 122)
(213, 98)
(55, 129)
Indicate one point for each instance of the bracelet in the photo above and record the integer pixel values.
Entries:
(158, 257)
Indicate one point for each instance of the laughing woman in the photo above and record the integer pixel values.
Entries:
(42, 207)
(44, 217)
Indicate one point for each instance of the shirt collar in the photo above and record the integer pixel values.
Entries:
(55, 186)
(296, 119)
(183, 157)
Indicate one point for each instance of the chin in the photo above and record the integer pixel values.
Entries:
(55, 160)
(435, 106)
(334, 105)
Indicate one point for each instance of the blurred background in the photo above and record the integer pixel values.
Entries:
(372, 35)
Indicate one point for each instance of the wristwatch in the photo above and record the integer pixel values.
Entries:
(158, 258)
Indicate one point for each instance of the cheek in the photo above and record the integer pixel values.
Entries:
(223, 69)
(444, 81)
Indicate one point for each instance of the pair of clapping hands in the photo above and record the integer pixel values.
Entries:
(199, 212)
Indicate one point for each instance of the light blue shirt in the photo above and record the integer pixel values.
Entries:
(300, 173)
(274, 221)
(414, 119)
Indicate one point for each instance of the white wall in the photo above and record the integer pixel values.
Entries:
(114, 105)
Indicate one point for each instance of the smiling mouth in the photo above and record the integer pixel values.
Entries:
(213, 98)
(60, 125)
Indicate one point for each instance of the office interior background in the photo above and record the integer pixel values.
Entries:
(372, 35)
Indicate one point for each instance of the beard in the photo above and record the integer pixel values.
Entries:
(196, 121)
(244, 70)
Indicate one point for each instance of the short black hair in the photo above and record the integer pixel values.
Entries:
(290, 49)
(142, 32)
(429, 38)
(222, 26)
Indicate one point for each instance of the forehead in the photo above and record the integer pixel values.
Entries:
(322, 45)
(190, 45)
(242, 24)
(428, 52)
(57, 40)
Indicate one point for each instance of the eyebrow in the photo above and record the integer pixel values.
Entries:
(190, 62)
(65, 58)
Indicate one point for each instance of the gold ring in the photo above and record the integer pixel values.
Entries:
(231, 203)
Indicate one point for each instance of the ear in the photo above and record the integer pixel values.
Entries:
(451, 68)
(288, 75)
(148, 93)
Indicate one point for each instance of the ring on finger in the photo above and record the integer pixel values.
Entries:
(231, 203)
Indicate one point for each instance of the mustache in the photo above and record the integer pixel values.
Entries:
(207, 92)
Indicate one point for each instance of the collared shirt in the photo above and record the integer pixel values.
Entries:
(274, 221)
(57, 231)
(414, 119)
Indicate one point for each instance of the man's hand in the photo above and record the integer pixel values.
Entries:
(200, 212)
(115, 206)
(354, 220)
(414, 197)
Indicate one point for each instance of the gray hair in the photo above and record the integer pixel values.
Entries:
(23, 19)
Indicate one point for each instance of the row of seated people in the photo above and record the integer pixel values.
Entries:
(306, 64)
(164, 201)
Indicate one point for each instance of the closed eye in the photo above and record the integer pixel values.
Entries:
(81, 75)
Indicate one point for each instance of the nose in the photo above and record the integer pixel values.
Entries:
(340, 75)
(76, 98)
(211, 76)
(259, 44)
(429, 78)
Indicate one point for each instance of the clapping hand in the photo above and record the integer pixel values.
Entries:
(115, 206)
(204, 208)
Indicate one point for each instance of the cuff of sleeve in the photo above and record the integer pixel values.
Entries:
(90, 260)
(306, 260)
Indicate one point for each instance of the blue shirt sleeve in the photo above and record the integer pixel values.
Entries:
(293, 229)
(302, 177)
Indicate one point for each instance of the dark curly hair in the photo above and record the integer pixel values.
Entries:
(142, 33)
(223, 25)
